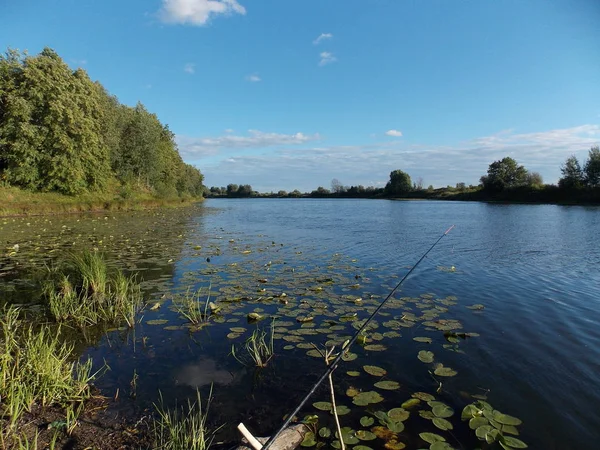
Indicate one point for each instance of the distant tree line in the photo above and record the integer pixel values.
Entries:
(62, 132)
(505, 180)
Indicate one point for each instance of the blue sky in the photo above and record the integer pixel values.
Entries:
(289, 94)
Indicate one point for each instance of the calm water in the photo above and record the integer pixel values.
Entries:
(533, 267)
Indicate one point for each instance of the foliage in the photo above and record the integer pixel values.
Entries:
(184, 429)
(572, 175)
(503, 174)
(84, 290)
(259, 348)
(196, 312)
(36, 368)
(534, 179)
(61, 132)
(592, 168)
(399, 183)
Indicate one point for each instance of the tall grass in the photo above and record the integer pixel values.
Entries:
(36, 367)
(84, 290)
(193, 308)
(184, 428)
(258, 348)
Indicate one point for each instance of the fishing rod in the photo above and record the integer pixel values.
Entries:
(337, 360)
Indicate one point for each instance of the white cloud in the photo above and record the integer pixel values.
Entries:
(197, 12)
(326, 58)
(394, 133)
(255, 139)
(322, 37)
(254, 78)
(307, 168)
(189, 68)
(229, 130)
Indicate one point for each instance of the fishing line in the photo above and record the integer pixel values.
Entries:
(337, 360)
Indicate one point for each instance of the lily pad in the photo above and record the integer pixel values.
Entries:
(375, 347)
(394, 444)
(424, 340)
(252, 317)
(367, 421)
(325, 432)
(423, 396)
(364, 435)
(443, 411)
(477, 422)
(384, 433)
(482, 431)
(410, 403)
(509, 442)
(375, 371)
(431, 438)
(156, 321)
(238, 329)
(353, 373)
(398, 414)
(367, 398)
(323, 406)
(442, 424)
(233, 335)
(352, 391)
(425, 356)
(341, 410)
(442, 371)
(506, 419)
(309, 440)
(388, 385)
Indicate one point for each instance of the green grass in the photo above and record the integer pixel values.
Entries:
(36, 368)
(84, 290)
(193, 308)
(258, 348)
(183, 428)
(17, 201)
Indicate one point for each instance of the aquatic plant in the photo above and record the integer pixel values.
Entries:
(195, 310)
(36, 367)
(84, 290)
(258, 348)
(183, 428)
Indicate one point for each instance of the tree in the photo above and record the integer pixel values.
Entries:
(244, 190)
(461, 186)
(232, 190)
(592, 168)
(572, 175)
(399, 183)
(504, 174)
(419, 184)
(337, 187)
(534, 179)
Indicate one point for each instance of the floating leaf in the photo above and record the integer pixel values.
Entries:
(304, 319)
(367, 398)
(353, 373)
(442, 371)
(483, 431)
(156, 321)
(254, 317)
(388, 385)
(341, 410)
(509, 442)
(365, 435)
(431, 438)
(440, 446)
(443, 411)
(398, 414)
(348, 436)
(424, 340)
(349, 356)
(233, 335)
(155, 306)
(375, 371)
(367, 421)
(423, 396)
(394, 444)
(477, 422)
(410, 403)
(384, 433)
(426, 415)
(323, 406)
(325, 432)
(352, 392)
(362, 447)
(442, 424)
(375, 347)
(506, 419)
(477, 307)
(425, 356)
(309, 440)
(238, 329)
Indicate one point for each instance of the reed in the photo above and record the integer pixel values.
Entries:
(258, 348)
(193, 308)
(183, 428)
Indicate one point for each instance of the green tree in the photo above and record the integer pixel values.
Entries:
(534, 179)
(572, 175)
(502, 174)
(592, 167)
(399, 183)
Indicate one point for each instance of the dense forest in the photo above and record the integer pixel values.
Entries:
(62, 132)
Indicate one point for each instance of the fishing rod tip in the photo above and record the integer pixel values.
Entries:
(449, 229)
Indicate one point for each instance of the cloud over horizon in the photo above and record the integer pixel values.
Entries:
(394, 133)
(370, 164)
(197, 12)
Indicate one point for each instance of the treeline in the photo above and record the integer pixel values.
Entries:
(62, 132)
(505, 180)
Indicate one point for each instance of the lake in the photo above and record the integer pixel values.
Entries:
(523, 279)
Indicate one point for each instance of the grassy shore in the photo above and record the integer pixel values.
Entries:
(19, 202)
